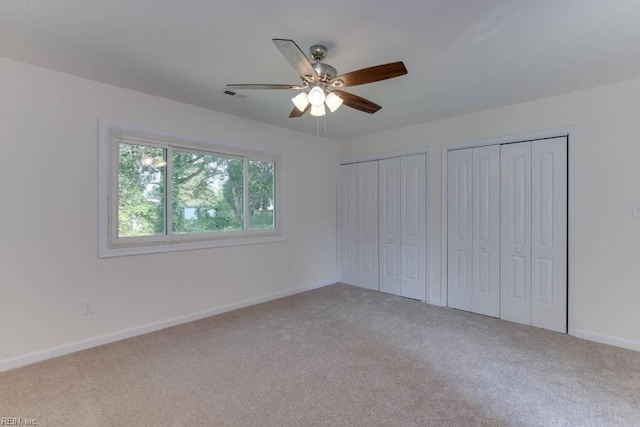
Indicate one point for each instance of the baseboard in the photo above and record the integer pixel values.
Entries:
(38, 356)
(607, 339)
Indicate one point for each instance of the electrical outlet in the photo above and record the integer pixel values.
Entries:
(636, 210)
(87, 307)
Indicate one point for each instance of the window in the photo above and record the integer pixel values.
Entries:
(162, 194)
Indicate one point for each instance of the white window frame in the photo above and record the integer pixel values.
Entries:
(109, 245)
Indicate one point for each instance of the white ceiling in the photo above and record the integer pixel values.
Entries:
(462, 55)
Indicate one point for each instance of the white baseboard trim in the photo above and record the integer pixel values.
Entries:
(49, 353)
(607, 339)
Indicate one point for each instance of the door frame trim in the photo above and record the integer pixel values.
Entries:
(570, 133)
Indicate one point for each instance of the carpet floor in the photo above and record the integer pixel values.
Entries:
(340, 356)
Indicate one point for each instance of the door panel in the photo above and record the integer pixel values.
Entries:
(368, 225)
(482, 277)
(486, 231)
(548, 234)
(411, 262)
(459, 220)
(390, 276)
(413, 220)
(518, 281)
(349, 224)
(515, 233)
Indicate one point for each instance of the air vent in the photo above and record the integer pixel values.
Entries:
(232, 93)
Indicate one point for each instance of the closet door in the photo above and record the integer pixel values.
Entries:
(515, 263)
(486, 231)
(390, 276)
(413, 226)
(459, 220)
(349, 224)
(368, 225)
(549, 234)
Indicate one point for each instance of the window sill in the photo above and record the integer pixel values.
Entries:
(117, 251)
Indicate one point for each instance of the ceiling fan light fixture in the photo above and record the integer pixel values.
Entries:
(333, 101)
(301, 101)
(318, 110)
(316, 96)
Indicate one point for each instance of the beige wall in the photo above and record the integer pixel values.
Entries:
(606, 151)
(48, 220)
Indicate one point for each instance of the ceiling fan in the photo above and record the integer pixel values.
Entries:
(320, 82)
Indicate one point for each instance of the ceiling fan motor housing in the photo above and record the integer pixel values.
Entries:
(325, 71)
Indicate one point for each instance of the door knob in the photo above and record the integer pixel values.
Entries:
(518, 250)
(483, 247)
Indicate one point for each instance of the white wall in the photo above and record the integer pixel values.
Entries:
(48, 219)
(607, 184)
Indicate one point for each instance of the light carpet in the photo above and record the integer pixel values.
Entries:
(340, 356)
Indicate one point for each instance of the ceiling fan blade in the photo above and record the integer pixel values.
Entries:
(263, 86)
(369, 75)
(296, 58)
(354, 101)
(297, 113)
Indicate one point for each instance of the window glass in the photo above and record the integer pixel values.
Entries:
(207, 193)
(141, 190)
(261, 195)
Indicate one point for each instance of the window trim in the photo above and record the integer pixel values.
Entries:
(111, 246)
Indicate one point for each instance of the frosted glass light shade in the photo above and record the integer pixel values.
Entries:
(333, 101)
(301, 101)
(316, 96)
(318, 110)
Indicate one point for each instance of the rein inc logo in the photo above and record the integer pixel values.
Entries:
(18, 421)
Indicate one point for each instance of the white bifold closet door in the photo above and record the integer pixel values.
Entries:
(368, 225)
(459, 223)
(390, 244)
(349, 259)
(473, 268)
(359, 224)
(534, 233)
(403, 226)
(549, 234)
(507, 231)
(515, 287)
(383, 225)
(413, 223)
